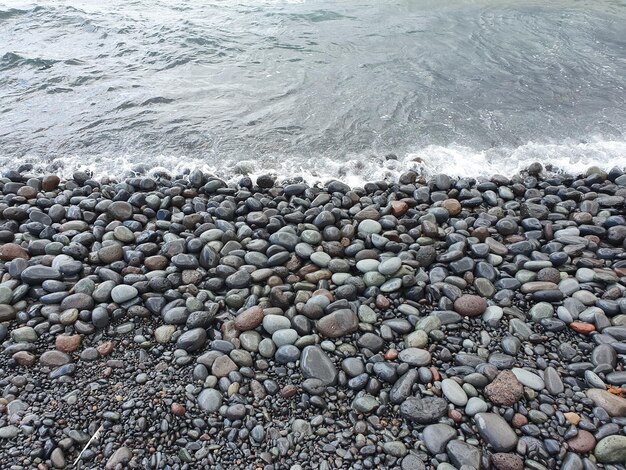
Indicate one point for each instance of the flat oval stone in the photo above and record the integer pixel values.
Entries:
(496, 431)
(210, 400)
(123, 293)
(286, 354)
(470, 305)
(38, 274)
(390, 266)
(314, 363)
(453, 392)
(415, 357)
(611, 449)
(437, 436)
(192, 340)
(529, 379)
(367, 265)
(338, 323)
(365, 404)
(273, 323)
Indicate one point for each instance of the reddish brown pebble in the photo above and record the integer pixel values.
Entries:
(582, 328)
(519, 420)
(178, 409)
(583, 443)
(505, 390)
(50, 182)
(67, 343)
(481, 233)
(325, 293)
(24, 358)
(455, 415)
(391, 355)
(249, 319)
(289, 391)
(11, 251)
(156, 262)
(28, 192)
(105, 349)
(382, 302)
(399, 208)
(436, 374)
(452, 206)
(470, 305)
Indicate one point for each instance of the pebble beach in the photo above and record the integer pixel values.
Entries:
(185, 321)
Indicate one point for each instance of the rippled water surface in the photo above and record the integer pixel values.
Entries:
(320, 88)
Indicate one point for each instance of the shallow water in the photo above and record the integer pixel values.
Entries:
(313, 88)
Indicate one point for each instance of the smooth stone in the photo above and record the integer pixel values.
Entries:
(283, 337)
(314, 363)
(54, 358)
(611, 449)
(338, 323)
(612, 404)
(367, 315)
(365, 404)
(417, 339)
(267, 348)
(192, 340)
(210, 400)
(475, 405)
(123, 293)
(286, 354)
(461, 453)
(540, 311)
(222, 366)
(24, 334)
(470, 305)
(390, 266)
(415, 357)
(572, 462)
(274, 323)
(493, 314)
(437, 436)
(529, 379)
(395, 448)
(453, 392)
(391, 285)
(553, 382)
(403, 387)
(496, 431)
(9, 432)
(369, 227)
(163, 334)
(38, 274)
(368, 265)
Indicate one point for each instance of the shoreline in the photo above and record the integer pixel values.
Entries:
(424, 323)
(355, 169)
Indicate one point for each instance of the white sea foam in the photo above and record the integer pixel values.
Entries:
(572, 158)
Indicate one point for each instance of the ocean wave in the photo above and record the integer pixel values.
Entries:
(11, 60)
(456, 161)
